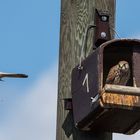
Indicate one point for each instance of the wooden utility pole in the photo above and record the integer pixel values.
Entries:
(76, 15)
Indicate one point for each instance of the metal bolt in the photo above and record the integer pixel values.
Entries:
(103, 34)
(76, 125)
(80, 67)
(94, 99)
(104, 18)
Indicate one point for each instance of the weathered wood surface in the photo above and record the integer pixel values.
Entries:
(76, 15)
(124, 96)
(118, 89)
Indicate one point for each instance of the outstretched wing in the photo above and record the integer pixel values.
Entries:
(12, 75)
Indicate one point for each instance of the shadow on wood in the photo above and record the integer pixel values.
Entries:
(71, 131)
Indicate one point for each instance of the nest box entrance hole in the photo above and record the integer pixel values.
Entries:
(114, 53)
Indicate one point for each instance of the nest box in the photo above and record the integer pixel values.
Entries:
(98, 106)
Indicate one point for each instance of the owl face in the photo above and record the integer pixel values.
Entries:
(123, 66)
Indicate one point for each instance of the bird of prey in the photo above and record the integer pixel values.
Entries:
(119, 74)
(12, 75)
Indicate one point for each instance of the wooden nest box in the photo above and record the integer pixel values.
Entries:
(98, 106)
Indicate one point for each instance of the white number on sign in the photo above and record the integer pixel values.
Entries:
(86, 82)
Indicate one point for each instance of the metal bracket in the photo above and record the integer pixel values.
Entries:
(102, 30)
(68, 104)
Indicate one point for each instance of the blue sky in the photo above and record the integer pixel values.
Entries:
(29, 43)
(127, 18)
(28, 35)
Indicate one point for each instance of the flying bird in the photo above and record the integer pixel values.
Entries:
(12, 75)
(119, 74)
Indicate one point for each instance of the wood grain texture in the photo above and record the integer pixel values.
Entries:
(76, 15)
(119, 89)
